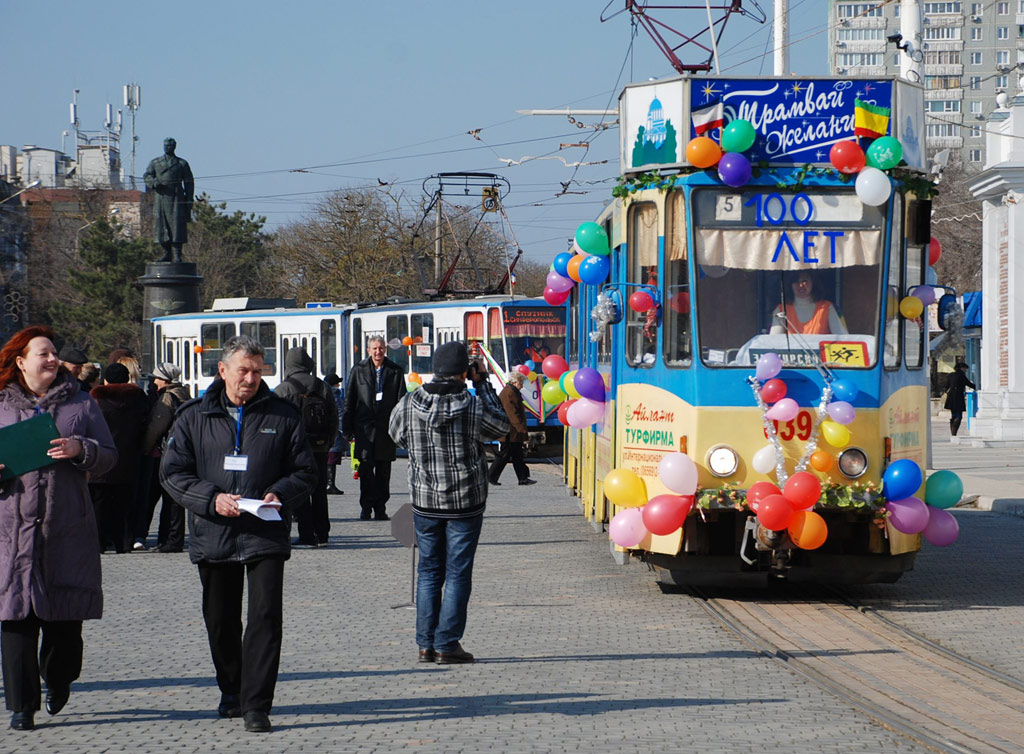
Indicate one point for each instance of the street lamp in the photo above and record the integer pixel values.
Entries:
(32, 185)
(114, 211)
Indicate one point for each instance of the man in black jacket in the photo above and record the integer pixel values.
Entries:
(375, 385)
(237, 443)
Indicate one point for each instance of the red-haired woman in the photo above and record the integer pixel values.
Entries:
(49, 553)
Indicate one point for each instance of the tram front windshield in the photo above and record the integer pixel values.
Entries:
(793, 273)
(533, 333)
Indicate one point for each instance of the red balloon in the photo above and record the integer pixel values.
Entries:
(847, 157)
(680, 303)
(563, 412)
(523, 370)
(556, 298)
(664, 514)
(775, 512)
(554, 366)
(640, 302)
(803, 490)
(759, 491)
(934, 251)
(773, 390)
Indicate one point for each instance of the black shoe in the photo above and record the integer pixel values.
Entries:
(364, 516)
(527, 481)
(303, 543)
(169, 548)
(257, 721)
(382, 517)
(229, 706)
(428, 655)
(56, 699)
(334, 491)
(22, 721)
(496, 484)
(322, 542)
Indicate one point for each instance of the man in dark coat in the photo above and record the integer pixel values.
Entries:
(511, 398)
(956, 400)
(236, 446)
(375, 385)
(170, 177)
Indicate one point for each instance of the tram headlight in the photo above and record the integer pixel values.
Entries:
(722, 461)
(853, 462)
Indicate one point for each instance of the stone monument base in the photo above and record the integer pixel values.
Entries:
(168, 288)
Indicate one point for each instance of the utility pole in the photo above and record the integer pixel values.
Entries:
(780, 30)
(437, 238)
(911, 61)
(133, 100)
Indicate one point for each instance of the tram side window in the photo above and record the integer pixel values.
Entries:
(913, 329)
(357, 340)
(676, 293)
(894, 284)
(473, 325)
(642, 268)
(397, 329)
(213, 337)
(329, 346)
(266, 334)
(422, 332)
(495, 343)
(574, 320)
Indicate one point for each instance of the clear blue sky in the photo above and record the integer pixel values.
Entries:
(357, 92)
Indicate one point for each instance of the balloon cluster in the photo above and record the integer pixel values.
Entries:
(912, 515)
(661, 514)
(413, 381)
(913, 305)
(578, 393)
(527, 369)
(734, 168)
(789, 509)
(872, 185)
(587, 263)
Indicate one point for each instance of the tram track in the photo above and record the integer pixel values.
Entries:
(906, 682)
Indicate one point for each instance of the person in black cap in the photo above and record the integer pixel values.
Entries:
(73, 360)
(956, 399)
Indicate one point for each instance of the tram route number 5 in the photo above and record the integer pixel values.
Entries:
(800, 428)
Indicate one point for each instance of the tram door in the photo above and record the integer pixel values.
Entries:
(309, 342)
(182, 352)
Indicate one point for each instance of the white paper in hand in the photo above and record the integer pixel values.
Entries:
(262, 509)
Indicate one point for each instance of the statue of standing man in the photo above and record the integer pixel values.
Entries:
(171, 178)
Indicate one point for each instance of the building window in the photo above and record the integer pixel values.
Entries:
(943, 130)
(976, 58)
(974, 132)
(1001, 82)
(975, 107)
(943, 8)
(943, 106)
(1002, 32)
(941, 32)
(942, 82)
(1003, 9)
(977, 33)
(863, 35)
(1002, 57)
(975, 155)
(861, 10)
(943, 57)
(896, 59)
(851, 59)
(975, 83)
(975, 9)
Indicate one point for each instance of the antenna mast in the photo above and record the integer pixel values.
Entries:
(133, 100)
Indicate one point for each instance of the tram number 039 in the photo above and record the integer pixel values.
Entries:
(799, 428)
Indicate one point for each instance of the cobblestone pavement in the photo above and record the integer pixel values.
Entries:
(576, 653)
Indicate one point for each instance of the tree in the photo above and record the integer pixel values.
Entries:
(956, 223)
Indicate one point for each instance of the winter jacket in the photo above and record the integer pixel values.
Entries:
(298, 380)
(366, 418)
(512, 400)
(126, 409)
(339, 445)
(956, 400)
(279, 461)
(161, 416)
(49, 547)
(444, 428)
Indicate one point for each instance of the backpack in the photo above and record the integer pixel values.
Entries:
(316, 416)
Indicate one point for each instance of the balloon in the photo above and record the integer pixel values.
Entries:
(563, 411)
(759, 491)
(844, 390)
(530, 365)
(552, 394)
(847, 157)
(768, 365)
(625, 489)
(873, 186)
(764, 460)
(523, 369)
(677, 472)
(808, 530)
(934, 251)
(411, 387)
(909, 516)
(821, 460)
(924, 292)
(585, 412)
(803, 490)
(901, 480)
(841, 412)
(568, 384)
(773, 390)
(943, 489)
(641, 301)
(784, 410)
(738, 136)
(735, 170)
(885, 152)
(554, 366)
(407, 340)
(835, 435)
(558, 283)
(930, 276)
(664, 514)
(589, 384)
(532, 376)
(573, 268)
(415, 377)
(561, 263)
(626, 528)
(593, 239)
(556, 298)
(703, 152)
(680, 303)
(942, 528)
(594, 270)
(911, 307)
(775, 512)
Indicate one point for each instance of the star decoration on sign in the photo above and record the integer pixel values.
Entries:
(867, 88)
(709, 92)
(787, 94)
(819, 155)
(797, 88)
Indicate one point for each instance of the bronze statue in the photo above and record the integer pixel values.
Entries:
(171, 178)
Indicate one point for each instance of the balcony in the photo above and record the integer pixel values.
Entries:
(865, 70)
(861, 46)
(864, 23)
(943, 45)
(954, 94)
(944, 70)
(946, 20)
(945, 117)
(944, 142)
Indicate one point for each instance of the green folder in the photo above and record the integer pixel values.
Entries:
(23, 445)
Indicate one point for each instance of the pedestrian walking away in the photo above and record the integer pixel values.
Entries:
(956, 398)
(511, 447)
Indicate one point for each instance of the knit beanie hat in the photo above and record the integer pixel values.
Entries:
(451, 359)
(116, 374)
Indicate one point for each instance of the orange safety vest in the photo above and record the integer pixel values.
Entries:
(816, 325)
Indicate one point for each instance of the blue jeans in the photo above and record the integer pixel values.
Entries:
(447, 548)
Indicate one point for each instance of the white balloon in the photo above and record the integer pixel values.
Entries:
(764, 460)
(873, 186)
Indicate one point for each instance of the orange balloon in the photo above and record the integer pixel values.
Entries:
(821, 460)
(407, 340)
(703, 152)
(573, 268)
(197, 349)
(807, 530)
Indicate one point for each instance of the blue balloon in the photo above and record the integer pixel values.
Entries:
(844, 390)
(594, 270)
(930, 278)
(901, 480)
(561, 264)
(530, 364)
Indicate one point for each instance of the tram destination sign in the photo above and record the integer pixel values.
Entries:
(797, 120)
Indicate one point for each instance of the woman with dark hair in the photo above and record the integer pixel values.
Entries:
(804, 311)
(956, 396)
(49, 556)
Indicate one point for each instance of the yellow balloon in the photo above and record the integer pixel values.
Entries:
(625, 489)
(532, 376)
(835, 434)
(570, 388)
(911, 307)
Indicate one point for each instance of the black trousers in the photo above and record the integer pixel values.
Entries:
(374, 486)
(146, 495)
(171, 533)
(114, 508)
(58, 659)
(314, 520)
(506, 451)
(246, 665)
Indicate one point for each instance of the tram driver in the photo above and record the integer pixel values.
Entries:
(804, 311)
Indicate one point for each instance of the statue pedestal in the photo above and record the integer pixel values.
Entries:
(168, 288)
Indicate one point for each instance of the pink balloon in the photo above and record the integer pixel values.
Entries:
(627, 527)
(585, 412)
(556, 298)
(783, 411)
(768, 365)
(942, 528)
(677, 472)
(841, 412)
(559, 284)
(909, 515)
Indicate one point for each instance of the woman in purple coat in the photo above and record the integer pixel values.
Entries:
(49, 552)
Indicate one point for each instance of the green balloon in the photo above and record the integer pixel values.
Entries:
(943, 489)
(592, 238)
(738, 136)
(885, 152)
(552, 393)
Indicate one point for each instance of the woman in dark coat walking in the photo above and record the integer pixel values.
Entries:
(956, 400)
(49, 557)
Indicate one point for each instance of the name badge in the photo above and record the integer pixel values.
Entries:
(236, 463)
(380, 395)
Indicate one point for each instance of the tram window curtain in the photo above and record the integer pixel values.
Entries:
(913, 330)
(894, 284)
(676, 287)
(494, 342)
(642, 268)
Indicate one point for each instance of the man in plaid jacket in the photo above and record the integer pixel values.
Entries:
(444, 428)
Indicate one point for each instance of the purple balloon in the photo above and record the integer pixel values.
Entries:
(589, 384)
(627, 527)
(768, 366)
(559, 284)
(784, 410)
(841, 412)
(584, 412)
(942, 528)
(924, 292)
(734, 169)
(909, 516)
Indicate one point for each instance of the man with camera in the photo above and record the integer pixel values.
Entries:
(444, 428)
